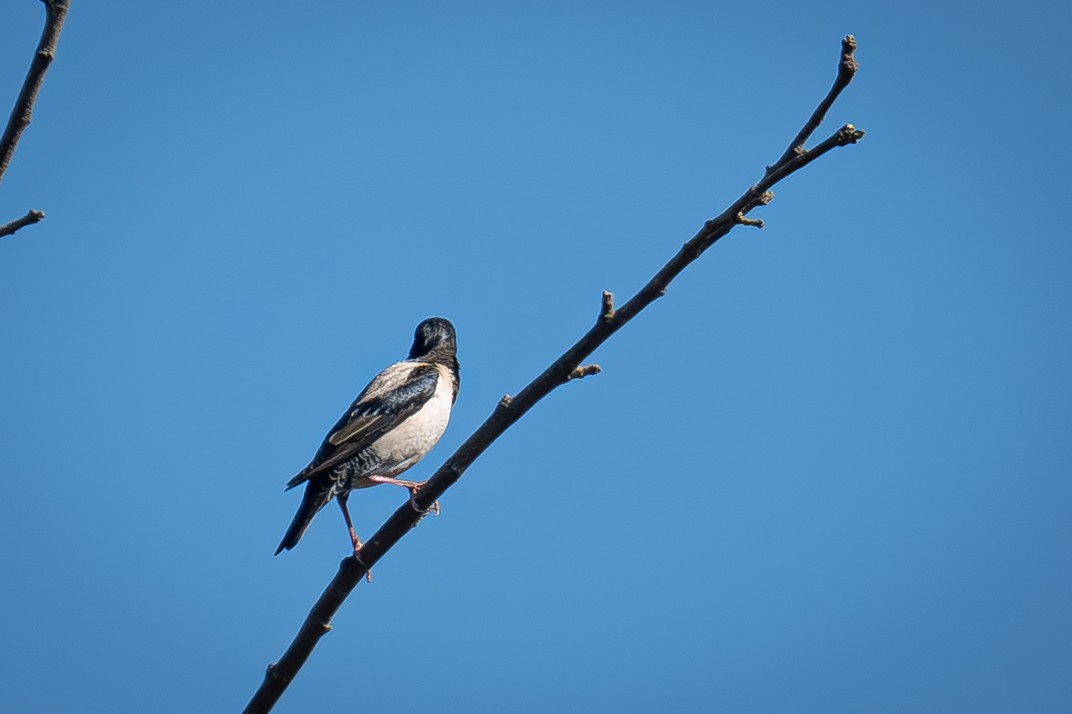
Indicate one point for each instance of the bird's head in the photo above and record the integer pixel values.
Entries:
(435, 337)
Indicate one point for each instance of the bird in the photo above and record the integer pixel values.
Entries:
(392, 423)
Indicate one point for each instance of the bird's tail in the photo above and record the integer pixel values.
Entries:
(318, 493)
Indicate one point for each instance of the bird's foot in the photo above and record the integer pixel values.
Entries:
(424, 512)
(357, 555)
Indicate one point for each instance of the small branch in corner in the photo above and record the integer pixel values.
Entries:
(31, 217)
(55, 13)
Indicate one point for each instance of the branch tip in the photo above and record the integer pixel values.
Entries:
(758, 199)
(32, 216)
(583, 371)
(848, 64)
(849, 134)
(746, 221)
(606, 310)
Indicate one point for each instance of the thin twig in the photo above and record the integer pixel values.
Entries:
(55, 12)
(33, 216)
(847, 67)
(585, 370)
(511, 409)
(606, 307)
(21, 114)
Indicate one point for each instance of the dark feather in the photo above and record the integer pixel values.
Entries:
(317, 495)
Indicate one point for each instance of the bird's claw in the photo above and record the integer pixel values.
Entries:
(422, 511)
(357, 557)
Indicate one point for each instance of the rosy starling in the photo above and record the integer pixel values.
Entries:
(395, 421)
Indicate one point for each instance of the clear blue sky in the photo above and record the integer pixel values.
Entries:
(828, 472)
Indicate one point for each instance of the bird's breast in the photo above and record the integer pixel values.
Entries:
(404, 445)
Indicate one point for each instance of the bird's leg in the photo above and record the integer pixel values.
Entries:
(342, 498)
(412, 486)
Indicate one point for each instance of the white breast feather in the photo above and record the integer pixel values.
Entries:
(404, 445)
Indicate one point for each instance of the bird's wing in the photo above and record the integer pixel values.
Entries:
(393, 396)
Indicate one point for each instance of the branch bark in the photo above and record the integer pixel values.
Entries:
(32, 216)
(568, 366)
(21, 114)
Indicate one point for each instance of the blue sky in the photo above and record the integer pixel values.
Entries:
(828, 472)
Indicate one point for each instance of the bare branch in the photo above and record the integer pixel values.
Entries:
(31, 217)
(566, 367)
(55, 13)
(847, 67)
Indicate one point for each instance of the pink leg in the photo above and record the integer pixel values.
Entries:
(411, 485)
(342, 498)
